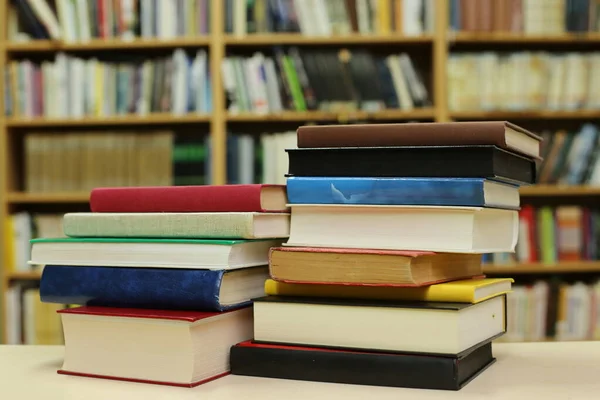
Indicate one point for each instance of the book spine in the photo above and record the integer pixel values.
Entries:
(448, 192)
(151, 288)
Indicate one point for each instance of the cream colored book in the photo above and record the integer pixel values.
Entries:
(242, 225)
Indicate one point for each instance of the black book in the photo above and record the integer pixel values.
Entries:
(30, 21)
(360, 368)
(409, 161)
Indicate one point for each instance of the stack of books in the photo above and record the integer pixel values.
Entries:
(165, 276)
(380, 282)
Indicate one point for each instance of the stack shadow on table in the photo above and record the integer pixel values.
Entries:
(165, 276)
(381, 282)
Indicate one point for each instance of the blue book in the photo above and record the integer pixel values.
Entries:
(474, 192)
(154, 288)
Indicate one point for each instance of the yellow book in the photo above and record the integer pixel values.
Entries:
(9, 247)
(384, 17)
(462, 291)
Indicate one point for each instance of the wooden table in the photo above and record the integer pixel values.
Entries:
(533, 371)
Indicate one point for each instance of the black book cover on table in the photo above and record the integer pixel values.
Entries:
(413, 161)
(357, 367)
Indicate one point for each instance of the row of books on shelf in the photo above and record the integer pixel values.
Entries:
(523, 81)
(323, 79)
(526, 16)
(553, 234)
(89, 87)
(571, 157)
(28, 320)
(77, 161)
(553, 309)
(82, 20)
(330, 17)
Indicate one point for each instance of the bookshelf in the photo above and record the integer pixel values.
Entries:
(435, 46)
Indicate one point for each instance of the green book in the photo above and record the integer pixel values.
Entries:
(547, 235)
(295, 88)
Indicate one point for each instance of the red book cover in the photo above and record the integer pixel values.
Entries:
(527, 214)
(116, 378)
(211, 198)
(101, 17)
(174, 315)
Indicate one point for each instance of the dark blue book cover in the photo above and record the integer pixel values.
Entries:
(396, 191)
(154, 288)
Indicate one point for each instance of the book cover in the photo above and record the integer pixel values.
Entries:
(147, 288)
(460, 291)
(175, 225)
(343, 366)
(210, 198)
(389, 191)
(489, 162)
(172, 315)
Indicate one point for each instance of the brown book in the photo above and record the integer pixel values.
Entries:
(485, 15)
(499, 133)
(469, 15)
(500, 18)
(370, 267)
(352, 15)
(516, 16)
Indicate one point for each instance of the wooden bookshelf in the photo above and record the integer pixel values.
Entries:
(434, 47)
(564, 267)
(28, 276)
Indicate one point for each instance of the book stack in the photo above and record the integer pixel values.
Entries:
(380, 282)
(165, 276)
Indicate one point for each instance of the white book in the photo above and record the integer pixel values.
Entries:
(27, 91)
(362, 15)
(179, 83)
(76, 89)
(556, 82)
(322, 18)
(283, 141)
(13, 315)
(67, 24)
(442, 229)
(411, 17)
(152, 253)
(246, 159)
(487, 65)
(303, 15)
(229, 84)
(273, 89)
(269, 150)
(83, 20)
(400, 85)
(417, 90)
(257, 84)
(240, 17)
(199, 80)
(44, 13)
(147, 18)
(90, 86)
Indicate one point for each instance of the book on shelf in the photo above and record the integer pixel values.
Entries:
(554, 234)
(330, 17)
(322, 79)
(28, 319)
(556, 309)
(533, 17)
(83, 20)
(92, 87)
(523, 81)
(77, 161)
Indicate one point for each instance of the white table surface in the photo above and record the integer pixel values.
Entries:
(533, 371)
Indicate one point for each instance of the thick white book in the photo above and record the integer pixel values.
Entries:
(427, 228)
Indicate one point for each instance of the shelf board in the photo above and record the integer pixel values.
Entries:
(47, 198)
(527, 114)
(302, 116)
(120, 120)
(30, 275)
(299, 39)
(44, 46)
(507, 37)
(559, 190)
(564, 267)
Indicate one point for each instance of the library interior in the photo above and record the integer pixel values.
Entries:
(471, 124)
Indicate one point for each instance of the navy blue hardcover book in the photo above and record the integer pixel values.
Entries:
(154, 288)
(475, 192)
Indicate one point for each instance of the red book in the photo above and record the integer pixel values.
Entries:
(98, 343)
(528, 239)
(215, 198)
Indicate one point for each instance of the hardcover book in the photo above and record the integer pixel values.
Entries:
(475, 192)
(149, 345)
(489, 162)
(460, 291)
(320, 265)
(246, 225)
(359, 367)
(152, 253)
(498, 133)
(409, 326)
(152, 288)
(179, 199)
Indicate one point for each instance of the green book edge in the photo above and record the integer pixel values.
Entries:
(145, 240)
